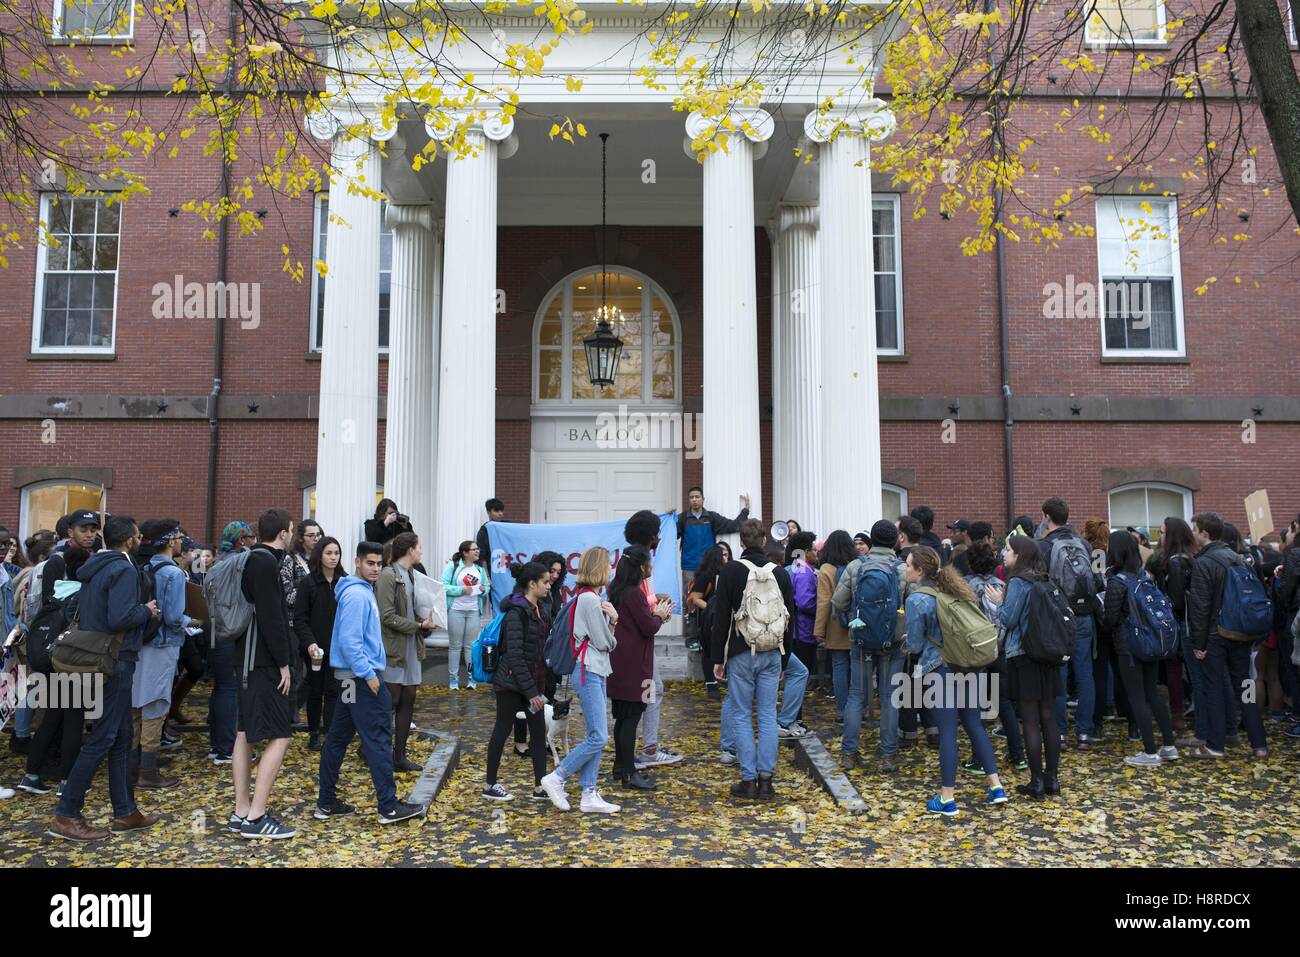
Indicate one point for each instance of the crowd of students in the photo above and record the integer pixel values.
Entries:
(1042, 627)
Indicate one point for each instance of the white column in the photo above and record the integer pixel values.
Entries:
(429, 467)
(796, 376)
(850, 407)
(466, 457)
(732, 457)
(348, 418)
(780, 482)
(408, 437)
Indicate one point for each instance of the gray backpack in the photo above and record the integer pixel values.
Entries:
(230, 611)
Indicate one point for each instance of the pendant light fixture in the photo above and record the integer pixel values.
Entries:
(603, 347)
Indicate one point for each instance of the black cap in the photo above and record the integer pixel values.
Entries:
(961, 525)
(83, 516)
(884, 534)
(979, 530)
(862, 537)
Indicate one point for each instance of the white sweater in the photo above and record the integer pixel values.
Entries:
(589, 621)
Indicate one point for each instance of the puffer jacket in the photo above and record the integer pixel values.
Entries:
(523, 636)
(1205, 592)
(395, 617)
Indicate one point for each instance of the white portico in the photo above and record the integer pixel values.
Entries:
(442, 404)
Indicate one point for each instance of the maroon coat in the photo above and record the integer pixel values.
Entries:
(633, 660)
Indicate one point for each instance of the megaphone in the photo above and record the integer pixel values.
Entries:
(779, 531)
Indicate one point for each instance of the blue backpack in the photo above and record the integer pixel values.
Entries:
(561, 657)
(877, 599)
(1151, 631)
(1246, 613)
(485, 653)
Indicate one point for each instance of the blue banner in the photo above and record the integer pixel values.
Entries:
(521, 542)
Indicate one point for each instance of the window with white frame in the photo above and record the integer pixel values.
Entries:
(649, 366)
(318, 281)
(887, 249)
(44, 503)
(1126, 21)
(1290, 25)
(1141, 283)
(76, 274)
(309, 500)
(893, 501)
(1146, 505)
(94, 19)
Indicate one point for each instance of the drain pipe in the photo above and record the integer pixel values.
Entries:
(218, 349)
(1004, 337)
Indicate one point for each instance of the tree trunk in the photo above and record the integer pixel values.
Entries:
(1273, 74)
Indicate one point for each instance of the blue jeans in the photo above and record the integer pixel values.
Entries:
(947, 718)
(110, 737)
(752, 679)
(1201, 694)
(1081, 663)
(885, 667)
(223, 706)
(585, 757)
(796, 680)
(370, 716)
(840, 680)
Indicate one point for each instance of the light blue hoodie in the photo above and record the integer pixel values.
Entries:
(357, 644)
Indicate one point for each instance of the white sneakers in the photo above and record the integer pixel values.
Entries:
(7, 793)
(554, 789)
(593, 803)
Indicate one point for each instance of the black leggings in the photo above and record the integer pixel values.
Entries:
(64, 725)
(627, 714)
(322, 695)
(191, 660)
(403, 711)
(508, 703)
(1039, 720)
(1144, 700)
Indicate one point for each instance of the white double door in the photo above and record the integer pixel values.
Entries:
(603, 485)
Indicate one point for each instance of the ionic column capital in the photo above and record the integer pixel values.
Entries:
(415, 216)
(751, 122)
(872, 119)
(797, 215)
(326, 123)
(492, 124)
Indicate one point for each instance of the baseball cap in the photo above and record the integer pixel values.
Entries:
(979, 530)
(83, 516)
(961, 525)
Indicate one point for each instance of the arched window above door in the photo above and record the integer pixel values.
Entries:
(649, 369)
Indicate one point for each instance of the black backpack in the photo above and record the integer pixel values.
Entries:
(1049, 627)
(50, 622)
(148, 593)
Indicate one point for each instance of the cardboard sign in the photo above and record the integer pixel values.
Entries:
(1259, 515)
(196, 606)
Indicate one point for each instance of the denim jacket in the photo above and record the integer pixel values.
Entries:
(923, 635)
(1013, 616)
(170, 594)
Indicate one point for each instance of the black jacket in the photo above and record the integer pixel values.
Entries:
(1288, 589)
(313, 611)
(376, 531)
(1205, 591)
(276, 644)
(1172, 578)
(731, 586)
(523, 635)
(1115, 612)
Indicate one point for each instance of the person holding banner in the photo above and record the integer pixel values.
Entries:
(468, 591)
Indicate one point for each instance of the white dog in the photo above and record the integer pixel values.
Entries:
(555, 729)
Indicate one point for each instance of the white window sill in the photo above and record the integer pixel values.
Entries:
(92, 41)
(71, 355)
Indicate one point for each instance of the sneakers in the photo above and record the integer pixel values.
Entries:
(1190, 743)
(471, 684)
(219, 757)
(495, 792)
(324, 812)
(1293, 731)
(401, 812)
(7, 793)
(994, 796)
(999, 732)
(795, 731)
(554, 788)
(234, 823)
(265, 828)
(1143, 760)
(593, 803)
(727, 757)
(1086, 742)
(972, 767)
(1168, 753)
(33, 784)
(937, 805)
(693, 645)
(661, 758)
(455, 684)
(170, 743)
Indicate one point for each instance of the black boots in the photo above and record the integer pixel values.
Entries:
(1033, 789)
(1051, 784)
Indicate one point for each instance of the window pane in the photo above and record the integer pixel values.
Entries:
(663, 323)
(56, 292)
(550, 363)
(79, 321)
(83, 215)
(109, 217)
(664, 375)
(886, 313)
(882, 234)
(58, 215)
(83, 253)
(45, 506)
(54, 327)
(81, 291)
(1128, 507)
(1139, 314)
(891, 504)
(1126, 19)
(106, 252)
(1162, 504)
(102, 333)
(552, 329)
(103, 292)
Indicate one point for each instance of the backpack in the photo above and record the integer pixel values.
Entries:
(1049, 628)
(803, 583)
(559, 651)
(223, 589)
(1071, 569)
(1246, 613)
(987, 585)
(762, 617)
(970, 640)
(50, 622)
(148, 593)
(1150, 632)
(878, 605)
(485, 653)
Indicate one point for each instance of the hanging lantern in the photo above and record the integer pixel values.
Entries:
(603, 347)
